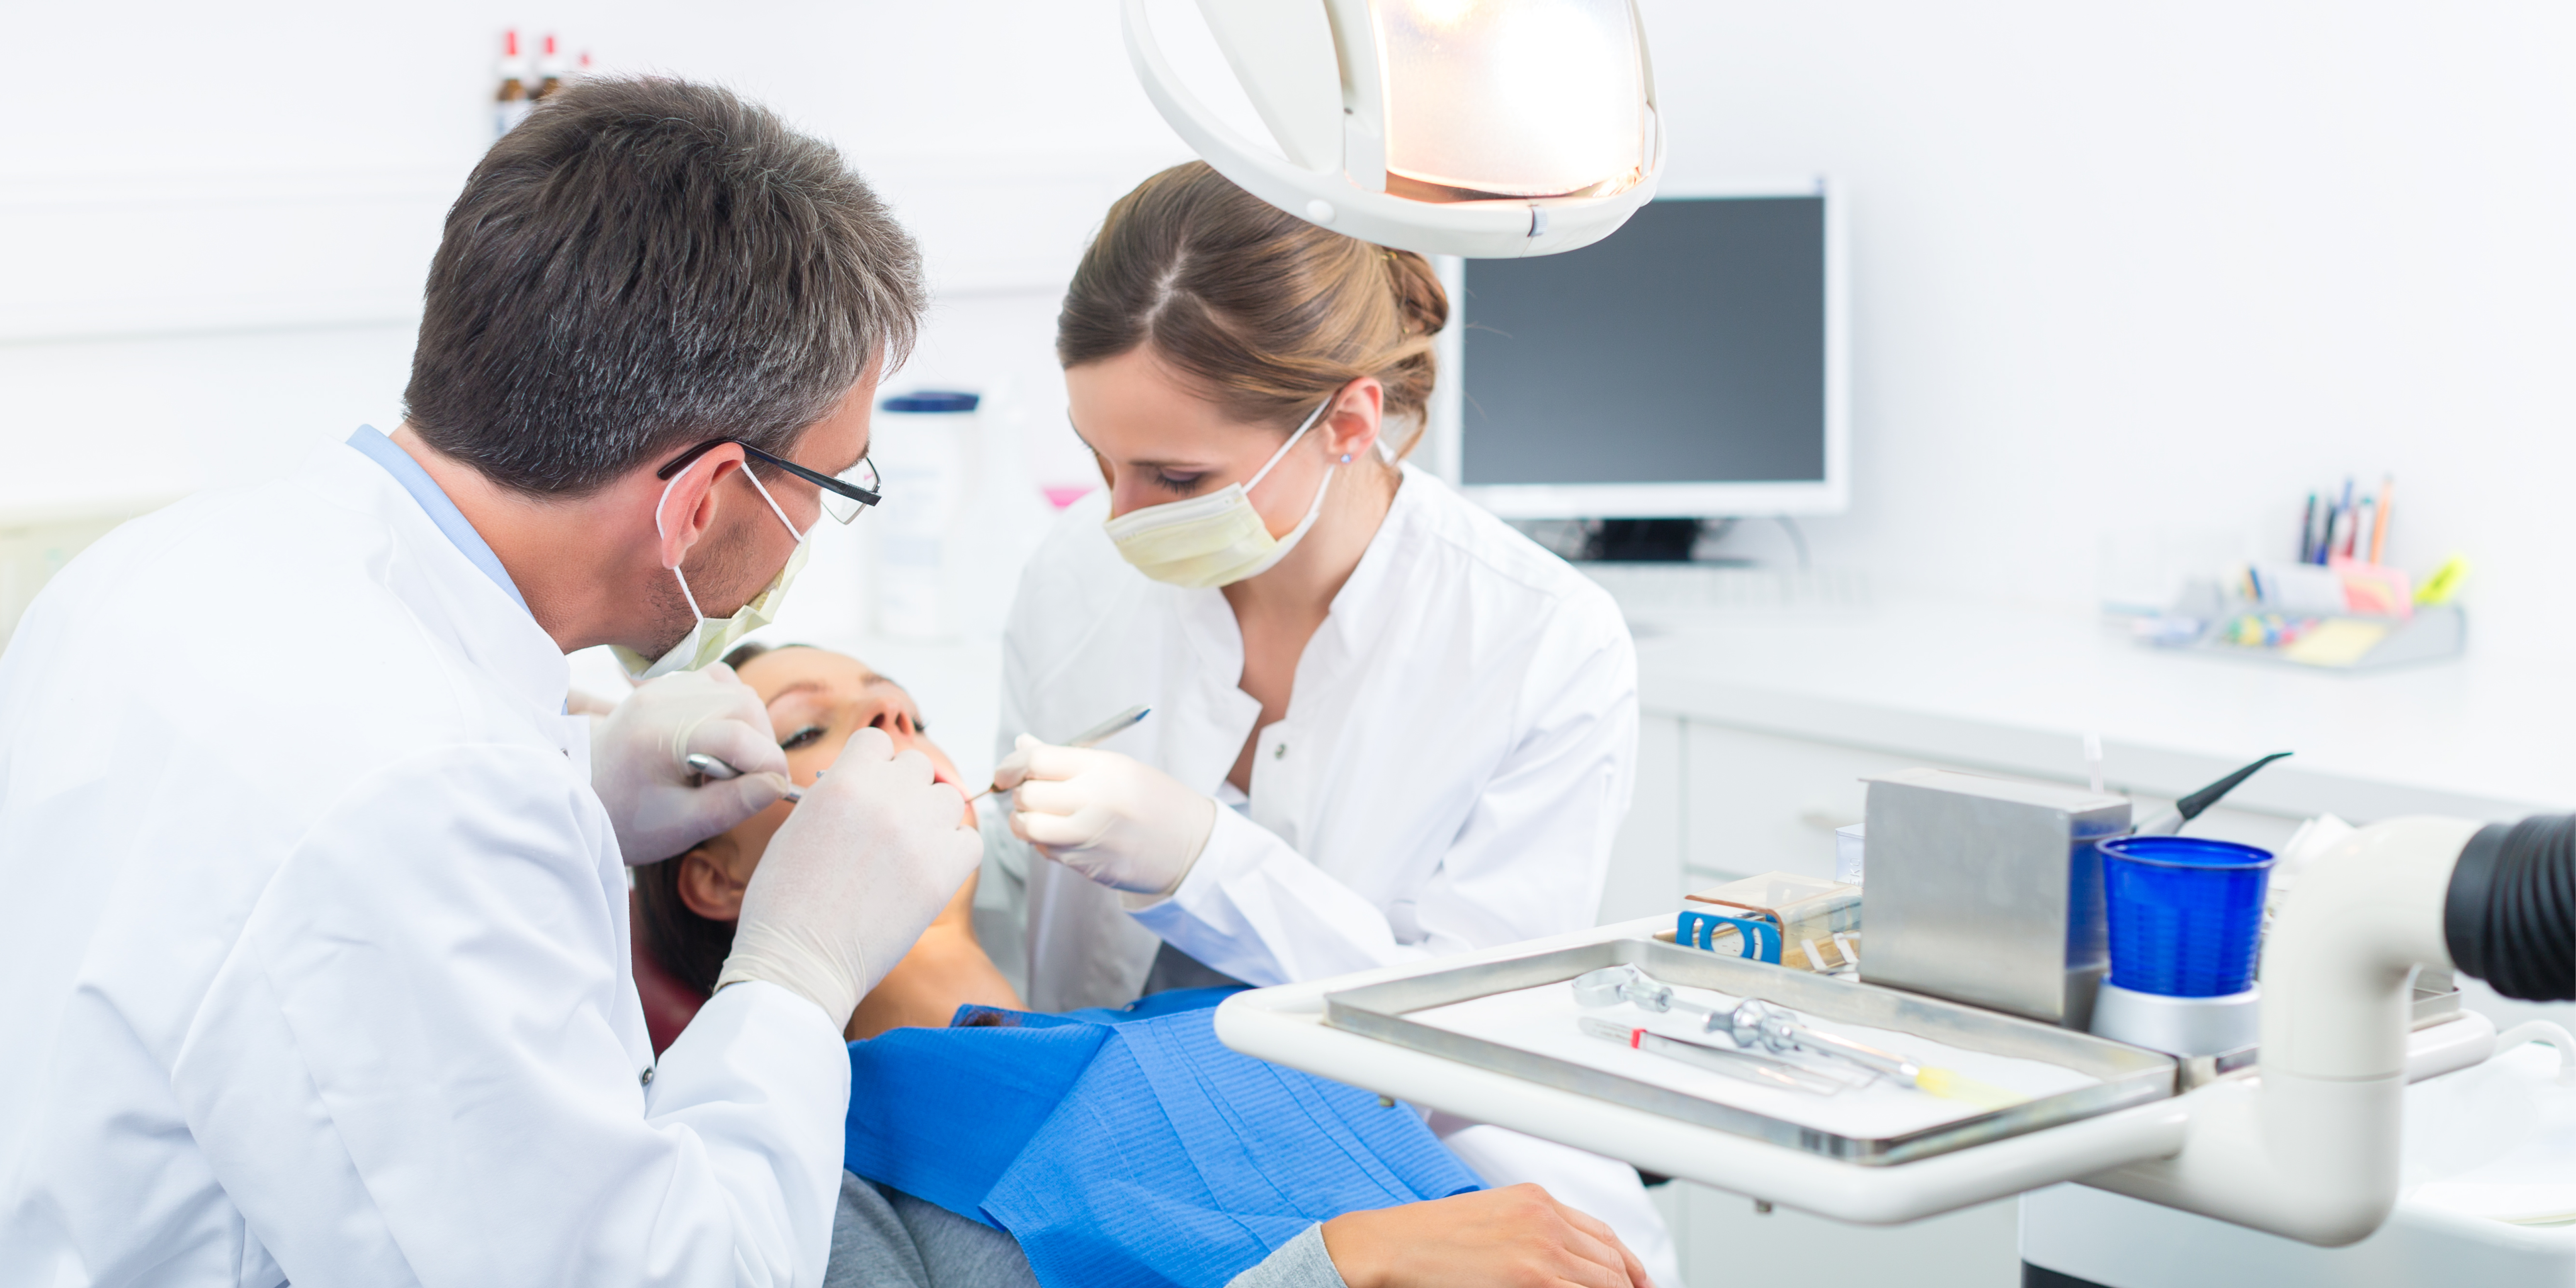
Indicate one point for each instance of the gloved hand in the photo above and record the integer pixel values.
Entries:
(854, 875)
(1112, 818)
(657, 804)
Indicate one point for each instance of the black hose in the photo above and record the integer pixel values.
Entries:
(2511, 915)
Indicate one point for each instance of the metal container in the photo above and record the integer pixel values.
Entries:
(1989, 891)
(2126, 1075)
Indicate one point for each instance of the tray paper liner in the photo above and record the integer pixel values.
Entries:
(1544, 1021)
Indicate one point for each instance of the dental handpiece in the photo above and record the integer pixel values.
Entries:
(707, 766)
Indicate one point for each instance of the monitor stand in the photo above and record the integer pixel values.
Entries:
(1642, 541)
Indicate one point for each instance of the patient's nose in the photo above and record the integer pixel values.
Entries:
(898, 725)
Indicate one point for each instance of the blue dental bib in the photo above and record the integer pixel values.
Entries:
(1128, 1147)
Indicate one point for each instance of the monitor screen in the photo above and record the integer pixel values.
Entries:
(1690, 347)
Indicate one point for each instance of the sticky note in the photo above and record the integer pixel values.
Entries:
(2339, 641)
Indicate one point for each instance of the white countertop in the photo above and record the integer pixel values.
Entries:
(2016, 689)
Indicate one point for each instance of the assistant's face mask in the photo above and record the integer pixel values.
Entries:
(709, 638)
(1217, 539)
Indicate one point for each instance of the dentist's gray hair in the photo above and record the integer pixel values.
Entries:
(644, 264)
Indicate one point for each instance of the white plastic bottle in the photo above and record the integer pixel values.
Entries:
(510, 103)
(922, 444)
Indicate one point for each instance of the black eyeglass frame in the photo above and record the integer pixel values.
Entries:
(853, 491)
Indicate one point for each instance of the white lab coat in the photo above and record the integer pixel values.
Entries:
(1457, 755)
(316, 965)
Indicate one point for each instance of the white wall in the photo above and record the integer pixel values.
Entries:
(2143, 271)
(2137, 275)
(219, 260)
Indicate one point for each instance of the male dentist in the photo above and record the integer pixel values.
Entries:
(316, 959)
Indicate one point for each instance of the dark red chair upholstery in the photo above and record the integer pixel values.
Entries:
(669, 1005)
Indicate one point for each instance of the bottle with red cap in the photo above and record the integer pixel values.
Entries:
(510, 105)
(550, 70)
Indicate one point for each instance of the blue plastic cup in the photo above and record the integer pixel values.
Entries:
(2185, 914)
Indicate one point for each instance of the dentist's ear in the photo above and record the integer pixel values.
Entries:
(687, 508)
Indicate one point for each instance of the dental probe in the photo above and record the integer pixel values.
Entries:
(1096, 734)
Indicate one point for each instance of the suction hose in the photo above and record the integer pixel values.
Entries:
(2511, 915)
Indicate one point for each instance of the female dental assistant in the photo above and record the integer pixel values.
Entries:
(1385, 726)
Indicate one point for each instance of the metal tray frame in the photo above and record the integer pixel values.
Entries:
(2129, 1075)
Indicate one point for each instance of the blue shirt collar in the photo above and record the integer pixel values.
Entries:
(433, 500)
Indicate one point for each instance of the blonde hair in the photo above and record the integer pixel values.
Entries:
(1265, 313)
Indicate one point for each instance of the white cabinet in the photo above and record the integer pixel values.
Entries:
(1758, 802)
(1646, 859)
(1715, 803)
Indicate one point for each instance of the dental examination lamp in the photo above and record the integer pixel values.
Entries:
(1485, 128)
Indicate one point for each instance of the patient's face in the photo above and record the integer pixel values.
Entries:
(816, 699)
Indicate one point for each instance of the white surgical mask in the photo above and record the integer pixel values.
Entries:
(1217, 539)
(708, 640)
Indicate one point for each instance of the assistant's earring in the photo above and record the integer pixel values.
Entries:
(1346, 458)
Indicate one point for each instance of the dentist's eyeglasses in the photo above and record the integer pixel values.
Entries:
(844, 498)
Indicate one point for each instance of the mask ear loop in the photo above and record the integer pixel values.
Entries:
(1282, 453)
(660, 531)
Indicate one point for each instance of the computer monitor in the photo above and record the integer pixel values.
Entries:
(1691, 365)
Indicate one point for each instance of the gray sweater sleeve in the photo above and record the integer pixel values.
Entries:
(1299, 1263)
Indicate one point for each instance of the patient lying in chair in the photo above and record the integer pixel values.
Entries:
(686, 906)
(939, 1206)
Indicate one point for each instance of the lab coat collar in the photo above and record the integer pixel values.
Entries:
(482, 618)
(1201, 752)
(1360, 611)
(440, 507)
(1358, 615)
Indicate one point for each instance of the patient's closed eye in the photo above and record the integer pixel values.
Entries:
(801, 738)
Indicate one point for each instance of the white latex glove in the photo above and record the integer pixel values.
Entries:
(1112, 818)
(854, 875)
(636, 765)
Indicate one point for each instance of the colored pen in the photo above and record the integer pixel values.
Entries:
(2379, 532)
(2308, 532)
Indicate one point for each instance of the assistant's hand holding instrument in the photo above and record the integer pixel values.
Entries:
(1112, 818)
